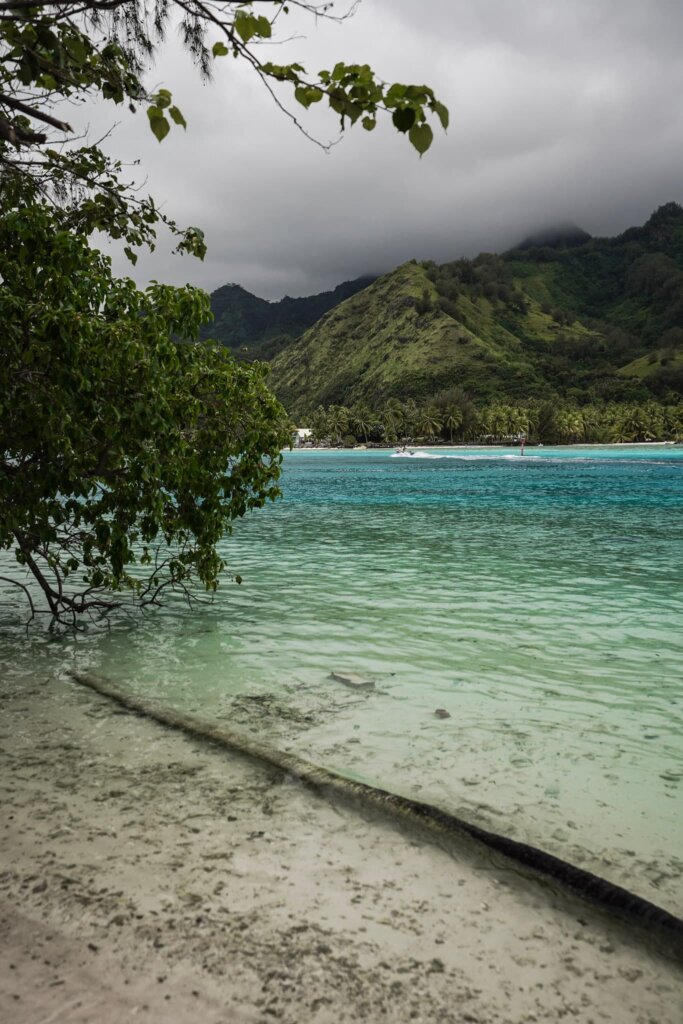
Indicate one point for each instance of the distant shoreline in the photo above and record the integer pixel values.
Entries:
(470, 445)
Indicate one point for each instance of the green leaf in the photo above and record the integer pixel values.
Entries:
(282, 72)
(248, 25)
(177, 117)
(219, 50)
(264, 29)
(369, 123)
(130, 254)
(305, 95)
(158, 123)
(192, 243)
(394, 93)
(421, 136)
(244, 25)
(442, 113)
(403, 118)
(162, 99)
(77, 48)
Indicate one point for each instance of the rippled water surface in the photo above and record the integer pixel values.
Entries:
(537, 600)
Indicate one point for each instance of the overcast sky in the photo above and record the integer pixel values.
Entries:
(560, 110)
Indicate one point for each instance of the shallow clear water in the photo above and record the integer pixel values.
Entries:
(537, 600)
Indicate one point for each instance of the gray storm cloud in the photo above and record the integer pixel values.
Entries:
(559, 110)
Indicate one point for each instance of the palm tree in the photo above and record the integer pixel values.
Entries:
(337, 421)
(361, 420)
(470, 415)
(620, 431)
(656, 420)
(319, 424)
(591, 423)
(393, 418)
(547, 426)
(431, 422)
(570, 425)
(531, 414)
(485, 421)
(517, 422)
(452, 419)
(497, 420)
(674, 422)
(411, 418)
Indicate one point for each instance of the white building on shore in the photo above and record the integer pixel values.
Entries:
(301, 437)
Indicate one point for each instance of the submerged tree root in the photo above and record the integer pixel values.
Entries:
(665, 928)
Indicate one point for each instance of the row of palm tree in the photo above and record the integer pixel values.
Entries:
(453, 417)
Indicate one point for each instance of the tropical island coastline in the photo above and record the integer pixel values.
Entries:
(473, 445)
(340, 738)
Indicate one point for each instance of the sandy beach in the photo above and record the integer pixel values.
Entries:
(148, 875)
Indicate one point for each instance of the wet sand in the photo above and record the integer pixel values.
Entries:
(147, 875)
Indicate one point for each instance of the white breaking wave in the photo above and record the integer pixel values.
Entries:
(431, 455)
(528, 457)
(417, 455)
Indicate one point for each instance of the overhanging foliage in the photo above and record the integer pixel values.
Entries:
(120, 447)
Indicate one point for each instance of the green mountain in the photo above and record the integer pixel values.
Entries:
(584, 320)
(257, 329)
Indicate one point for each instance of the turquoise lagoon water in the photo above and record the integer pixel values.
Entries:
(537, 600)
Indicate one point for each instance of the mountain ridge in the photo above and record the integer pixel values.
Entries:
(256, 328)
(598, 321)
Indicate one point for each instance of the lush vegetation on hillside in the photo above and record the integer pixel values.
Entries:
(584, 324)
(255, 328)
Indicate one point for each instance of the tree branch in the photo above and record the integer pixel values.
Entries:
(20, 136)
(50, 595)
(39, 115)
(27, 592)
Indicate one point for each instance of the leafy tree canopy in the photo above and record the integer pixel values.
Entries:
(122, 450)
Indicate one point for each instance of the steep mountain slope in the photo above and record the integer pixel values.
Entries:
(634, 281)
(256, 328)
(596, 321)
